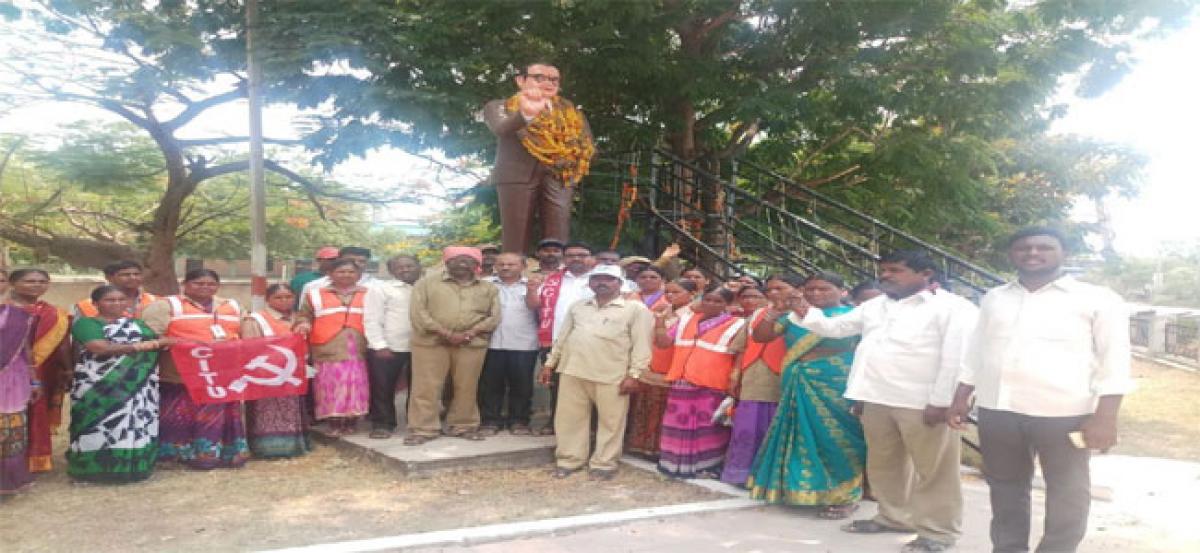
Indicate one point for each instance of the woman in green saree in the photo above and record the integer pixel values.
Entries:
(814, 452)
(114, 398)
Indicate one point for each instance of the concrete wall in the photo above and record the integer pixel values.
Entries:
(65, 291)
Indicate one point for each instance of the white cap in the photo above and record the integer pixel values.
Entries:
(610, 270)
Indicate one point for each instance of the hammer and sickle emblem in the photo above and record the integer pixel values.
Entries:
(282, 375)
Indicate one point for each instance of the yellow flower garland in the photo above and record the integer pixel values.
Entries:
(556, 138)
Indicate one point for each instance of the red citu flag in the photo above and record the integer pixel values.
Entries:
(240, 370)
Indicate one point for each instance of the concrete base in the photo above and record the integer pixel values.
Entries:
(446, 453)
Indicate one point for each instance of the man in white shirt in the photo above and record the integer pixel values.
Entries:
(902, 380)
(1049, 357)
(512, 353)
(389, 329)
(551, 296)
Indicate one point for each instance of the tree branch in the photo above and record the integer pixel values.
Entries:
(86, 229)
(199, 106)
(194, 142)
(179, 234)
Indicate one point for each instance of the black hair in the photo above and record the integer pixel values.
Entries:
(1038, 231)
(826, 276)
(354, 250)
(744, 288)
(20, 274)
(795, 280)
(757, 282)
(342, 262)
(201, 273)
(863, 287)
(272, 289)
(104, 290)
(413, 257)
(579, 244)
(686, 285)
(653, 269)
(118, 266)
(917, 260)
(725, 293)
(697, 269)
(524, 68)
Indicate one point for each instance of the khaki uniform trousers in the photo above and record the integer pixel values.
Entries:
(573, 418)
(431, 365)
(914, 472)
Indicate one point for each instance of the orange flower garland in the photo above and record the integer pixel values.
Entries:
(556, 138)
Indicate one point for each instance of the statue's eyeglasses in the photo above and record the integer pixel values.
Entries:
(540, 78)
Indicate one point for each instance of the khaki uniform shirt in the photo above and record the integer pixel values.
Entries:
(604, 344)
(441, 303)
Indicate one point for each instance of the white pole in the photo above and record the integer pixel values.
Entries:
(258, 193)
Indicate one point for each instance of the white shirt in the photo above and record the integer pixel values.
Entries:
(1051, 352)
(518, 323)
(573, 289)
(911, 351)
(385, 315)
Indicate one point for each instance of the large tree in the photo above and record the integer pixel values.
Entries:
(157, 66)
(101, 184)
(911, 105)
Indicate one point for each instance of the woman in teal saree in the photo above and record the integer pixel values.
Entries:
(814, 451)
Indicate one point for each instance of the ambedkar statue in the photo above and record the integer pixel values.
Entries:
(544, 148)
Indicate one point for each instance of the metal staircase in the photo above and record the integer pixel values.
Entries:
(766, 221)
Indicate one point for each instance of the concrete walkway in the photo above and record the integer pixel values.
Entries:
(1144, 511)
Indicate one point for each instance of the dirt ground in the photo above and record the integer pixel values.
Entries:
(1161, 418)
(322, 497)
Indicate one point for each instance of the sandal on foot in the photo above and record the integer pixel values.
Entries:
(602, 475)
(380, 434)
(472, 435)
(417, 439)
(923, 545)
(520, 430)
(489, 430)
(560, 472)
(868, 526)
(837, 512)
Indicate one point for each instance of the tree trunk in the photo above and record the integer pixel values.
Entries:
(159, 260)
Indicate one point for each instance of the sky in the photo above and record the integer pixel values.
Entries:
(1153, 110)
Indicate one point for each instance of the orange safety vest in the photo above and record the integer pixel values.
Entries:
(330, 315)
(705, 360)
(771, 352)
(269, 325)
(189, 320)
(89, 309)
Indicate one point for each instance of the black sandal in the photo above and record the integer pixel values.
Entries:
(417, 439)
(868, 526)
(837, 512)
(923, 545)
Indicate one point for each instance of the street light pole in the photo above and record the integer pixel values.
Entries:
(258, 193)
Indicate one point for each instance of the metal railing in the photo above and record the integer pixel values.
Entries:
(860, 230)
(1181, 339)
(1139, 331)
(761, 230)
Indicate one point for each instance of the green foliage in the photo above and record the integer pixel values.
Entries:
(103, 181)
(933, 113)
(1177, 267)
